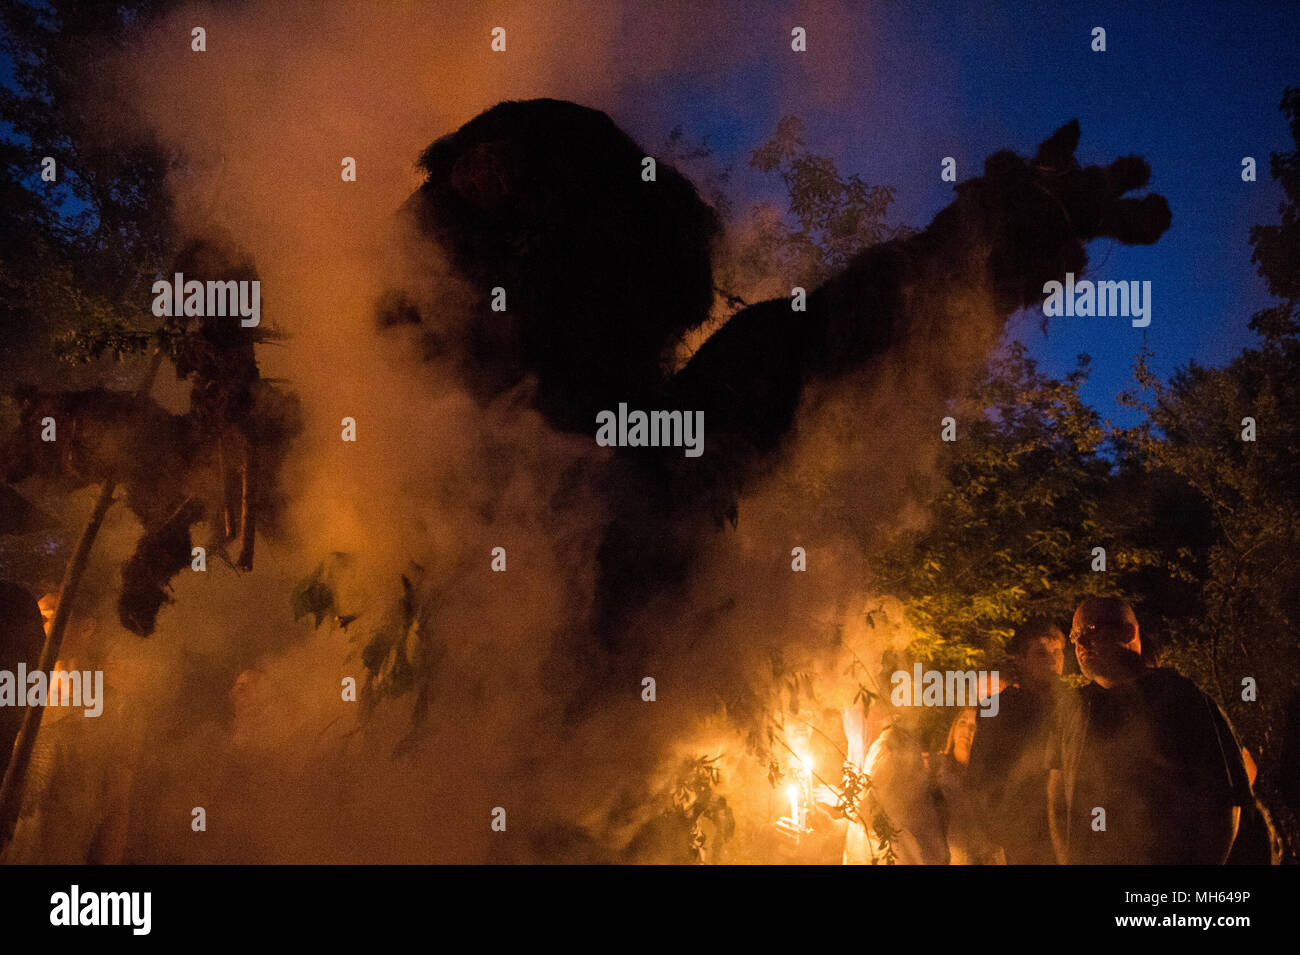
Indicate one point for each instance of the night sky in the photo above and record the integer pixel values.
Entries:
(895, 87)
(1192, 87)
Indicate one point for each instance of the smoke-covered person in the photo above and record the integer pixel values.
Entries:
(964, 817)
(1144, 767)
(21, 639)
(1006, 764)
(900, 813)
(77, 798)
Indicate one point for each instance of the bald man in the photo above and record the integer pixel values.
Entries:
(1144, 768)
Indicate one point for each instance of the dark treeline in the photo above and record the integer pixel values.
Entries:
(1196, 508)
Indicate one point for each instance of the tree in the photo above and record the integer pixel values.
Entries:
(79, 254)
(1013, 535)
(834, 218)
(1277, 247)
(1197, 429)
(827, 219)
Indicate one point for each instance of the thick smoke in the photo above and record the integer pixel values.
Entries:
(234, 707)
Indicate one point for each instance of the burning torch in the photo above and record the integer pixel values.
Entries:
(798, 790)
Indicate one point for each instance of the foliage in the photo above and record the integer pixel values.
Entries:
(695, 799)
(79, 255)
(399, 654)
(314, 594)
(697, 161)
(1012, 535)
(1247, 568)
(887, 835)
(828, 218)
(1277, 247)
(402, 657)
(834, 217)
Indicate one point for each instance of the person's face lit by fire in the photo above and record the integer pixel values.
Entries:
(1043, 660)
(963, 735)
(1106, 641)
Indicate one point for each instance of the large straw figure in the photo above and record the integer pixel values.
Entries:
(605, 271)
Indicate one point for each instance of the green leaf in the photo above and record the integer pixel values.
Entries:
(313, 596)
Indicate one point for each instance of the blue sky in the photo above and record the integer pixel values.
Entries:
(888, 89)
(1192, 87)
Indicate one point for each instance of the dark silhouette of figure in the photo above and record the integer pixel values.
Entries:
(1006, 760)
(604, 272)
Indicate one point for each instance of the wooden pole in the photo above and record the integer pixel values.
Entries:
(15, 780)
(11, 791)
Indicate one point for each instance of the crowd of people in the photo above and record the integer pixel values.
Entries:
(1138, 766)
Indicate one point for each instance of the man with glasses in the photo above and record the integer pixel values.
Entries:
(1143, 767)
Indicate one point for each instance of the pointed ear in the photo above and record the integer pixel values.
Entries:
(1057, 151)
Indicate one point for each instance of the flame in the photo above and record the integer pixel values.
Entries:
(795, 795)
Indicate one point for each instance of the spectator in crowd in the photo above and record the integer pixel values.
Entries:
(1144, 767)
(1006, 765)
(964, 817)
